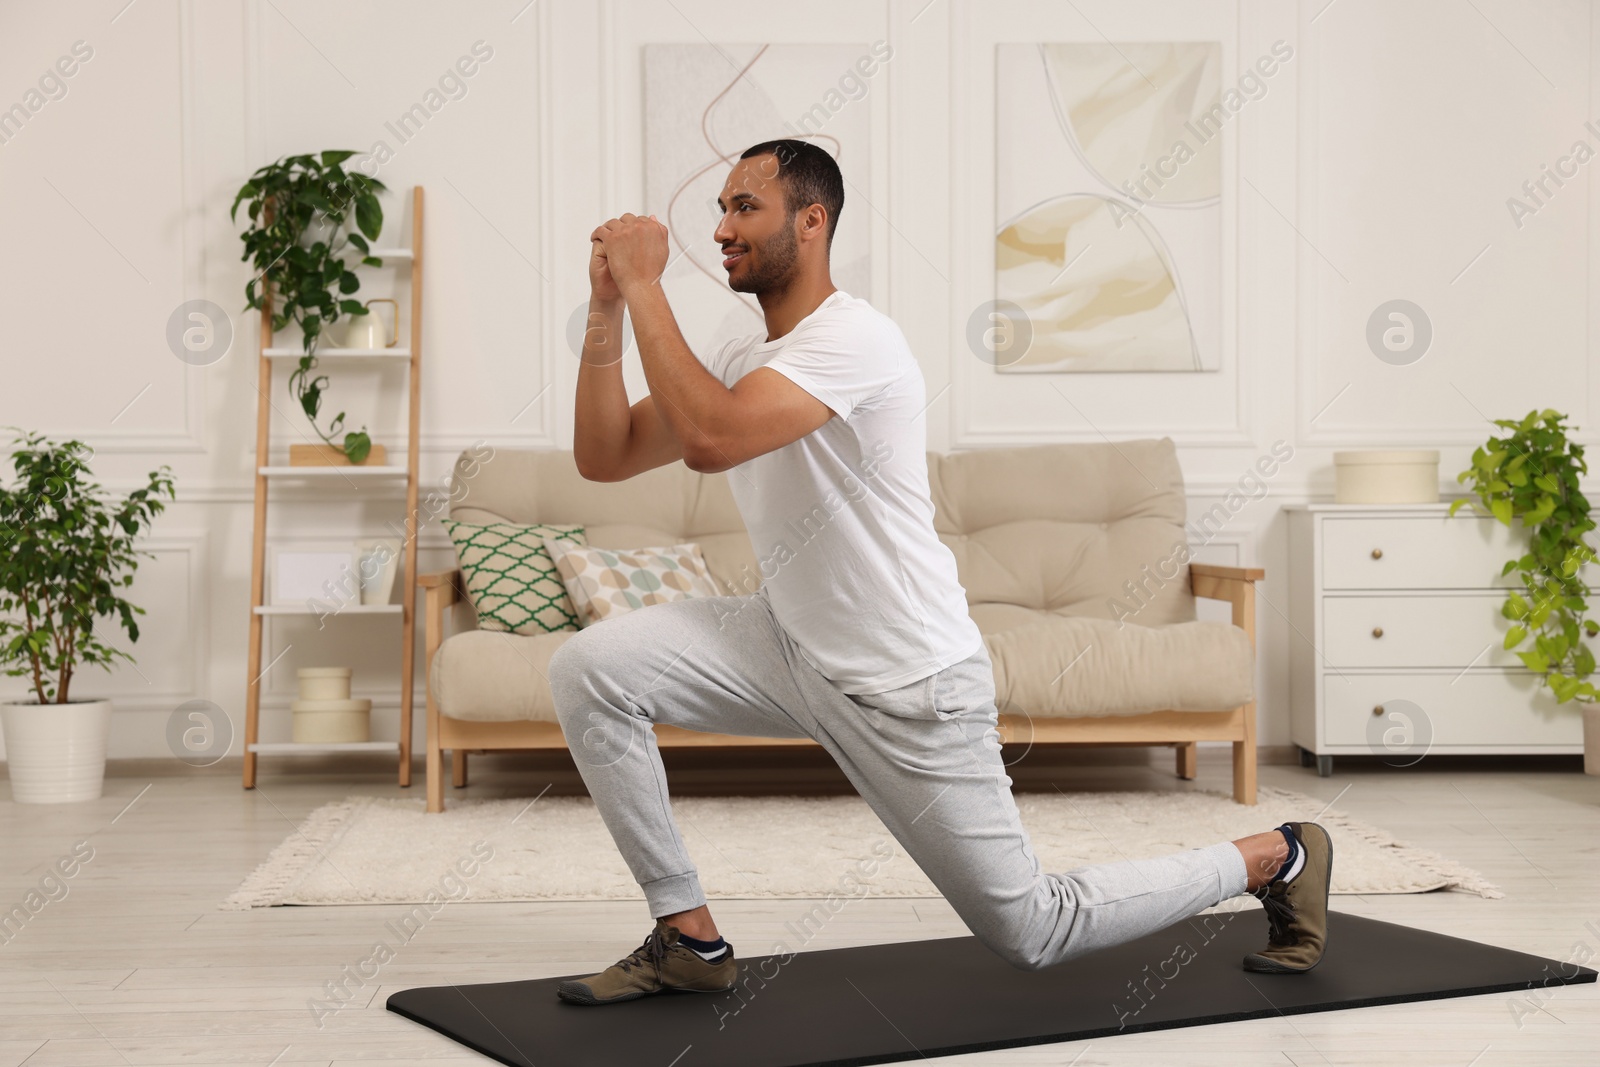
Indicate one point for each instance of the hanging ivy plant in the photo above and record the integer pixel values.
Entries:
(1533, 472)
(289, 200)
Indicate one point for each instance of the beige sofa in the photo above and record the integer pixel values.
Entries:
(1073, 556)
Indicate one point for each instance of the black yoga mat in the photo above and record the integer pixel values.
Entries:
(887, 1003)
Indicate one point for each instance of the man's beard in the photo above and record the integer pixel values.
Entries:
(772, 268)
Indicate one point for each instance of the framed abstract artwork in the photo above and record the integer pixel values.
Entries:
(704, 104)
(1108, 183)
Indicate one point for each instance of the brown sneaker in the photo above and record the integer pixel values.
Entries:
(1297, 908)
(656, 966)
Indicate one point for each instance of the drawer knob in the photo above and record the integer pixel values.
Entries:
(1377, 709)
(1377, 631)
(1377, 553)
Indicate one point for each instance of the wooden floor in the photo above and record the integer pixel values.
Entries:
(135, 966)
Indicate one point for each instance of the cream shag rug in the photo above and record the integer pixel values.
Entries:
(366, 850)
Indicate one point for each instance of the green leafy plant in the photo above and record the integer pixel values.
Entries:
(1532, 472)
(65, 551)
(312, 282)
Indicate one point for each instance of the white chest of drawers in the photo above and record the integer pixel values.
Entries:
(1396, 637)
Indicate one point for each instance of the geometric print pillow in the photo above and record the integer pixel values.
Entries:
(510, 578)
(605, 583)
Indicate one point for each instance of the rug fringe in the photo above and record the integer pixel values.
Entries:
(266, 884)
(1459, 876)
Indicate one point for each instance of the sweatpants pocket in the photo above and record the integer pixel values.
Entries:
(914, 700)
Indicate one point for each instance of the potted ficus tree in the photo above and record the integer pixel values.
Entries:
(298, 207)
(1532, 473)
(66, 550)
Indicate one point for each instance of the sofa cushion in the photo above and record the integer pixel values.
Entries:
(607, 582)
(1084, 529)
(1067, 667)
(493, 676)
(1050, 667)
(510, 577)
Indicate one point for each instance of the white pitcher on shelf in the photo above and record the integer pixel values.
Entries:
(368, 331)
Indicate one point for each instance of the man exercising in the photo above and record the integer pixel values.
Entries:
(859, 636)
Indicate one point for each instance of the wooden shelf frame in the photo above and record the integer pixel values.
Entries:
(309, 748)
(265, 472)
(397, 352)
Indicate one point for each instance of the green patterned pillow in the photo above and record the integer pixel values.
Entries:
(510, 578)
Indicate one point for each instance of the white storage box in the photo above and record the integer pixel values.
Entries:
(1400, 476)
(329, 721)
(324, 683)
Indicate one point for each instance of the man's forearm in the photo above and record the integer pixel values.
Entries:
(688, 396)
(603, 419)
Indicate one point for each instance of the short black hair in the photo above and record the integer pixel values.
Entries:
(810, 176)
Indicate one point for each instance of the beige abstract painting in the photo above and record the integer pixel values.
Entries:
(1108, 180)
(1117, 308)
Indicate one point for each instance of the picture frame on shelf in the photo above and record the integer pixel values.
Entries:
(314, 574)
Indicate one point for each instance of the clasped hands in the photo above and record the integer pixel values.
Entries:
(626, 254)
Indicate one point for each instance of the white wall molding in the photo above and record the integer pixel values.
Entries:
(190, 437)
(193, 544)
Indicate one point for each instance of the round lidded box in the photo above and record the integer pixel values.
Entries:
(1391, 476)
(329, 721)
(324, 683)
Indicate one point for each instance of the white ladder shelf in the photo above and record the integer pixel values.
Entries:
(266, 473)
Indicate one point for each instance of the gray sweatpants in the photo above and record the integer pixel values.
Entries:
(925, 756)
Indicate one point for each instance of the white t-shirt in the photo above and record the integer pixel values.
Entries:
(841, 520)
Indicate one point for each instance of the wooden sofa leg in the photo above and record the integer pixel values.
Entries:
(1244, 759)
(458, 767)
(435, 776)
(435, 759)
(1188, 760)
(440, 595)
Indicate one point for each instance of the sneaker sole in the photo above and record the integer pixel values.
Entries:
(1260, 964)
(1265, 965)
(579, 994)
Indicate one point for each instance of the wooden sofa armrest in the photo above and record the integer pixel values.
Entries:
(447, 581)
(440, 589)
(1217, 570)
(1236, 585)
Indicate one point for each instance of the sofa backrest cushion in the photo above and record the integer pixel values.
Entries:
(1060, 528)
(1064, 528)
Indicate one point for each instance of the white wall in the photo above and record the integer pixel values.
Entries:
(1376, 166)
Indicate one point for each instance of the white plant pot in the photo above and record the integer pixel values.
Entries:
(56, 753)
(1591, 740)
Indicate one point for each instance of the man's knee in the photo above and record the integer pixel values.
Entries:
(571, 668)
(1011, 945)
(1036, 956)
(1021, 960)
(562, 659)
